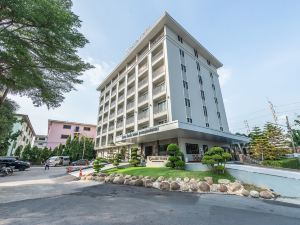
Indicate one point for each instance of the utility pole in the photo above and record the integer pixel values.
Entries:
(273, 112)
(83, 148)
(247, 126)
(290, 131)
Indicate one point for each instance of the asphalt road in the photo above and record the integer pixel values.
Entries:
(112, 204)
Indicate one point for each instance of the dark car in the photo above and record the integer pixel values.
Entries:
(14, 162)
(80, 162)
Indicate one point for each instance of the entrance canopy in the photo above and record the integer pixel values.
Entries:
(176, 129)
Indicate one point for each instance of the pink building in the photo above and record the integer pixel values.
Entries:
(59, 131)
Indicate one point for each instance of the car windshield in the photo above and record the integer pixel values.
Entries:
(53, 158)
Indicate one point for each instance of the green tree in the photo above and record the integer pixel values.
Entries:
(296, 137)
(175, 157)
(45, 154)
(259, 144)
(26, 153)
(135, 158)
(39, 42)
(88, 145)
(117, 159)
(18, 151)
(35, 154)
(216, 158)
(97, 165)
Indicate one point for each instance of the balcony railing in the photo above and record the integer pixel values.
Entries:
(105, 119)
(112, 104)
(112, 115)
(103, 143)
(121, 85)
(121, 98)
(157, 55)
(113, 92)
(159, 89)
(130, 120)
(106, 108)
(131, 78)
(143, 98)
(130, 91)
(144, 114)
(158, 72)
(104, 129)
(111, 128)
(143, 68)
(156, 39)
(143, 82)
(130, 105)
(119, 124)
(120, 111)
(160, 108)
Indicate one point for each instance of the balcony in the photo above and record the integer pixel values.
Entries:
(112, 104)
(130, 79)
(156, 39)
(121, 85)
(130, 91)
(121, 98)
(130, 120)
(159, 89)
(120, 111)
(111, 128)
(143, 115)
(130, 105)
(143, 98)
(104, 130)
(106, 108)
(112, 115)
(158, 72)
(157, 56)
(143, 68)
(105, 119)
(113, 92)
(143, 82)
(160, 108)
(119, 124)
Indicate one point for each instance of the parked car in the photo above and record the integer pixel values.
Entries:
(13, 162)
(80, 162)
(59, 161)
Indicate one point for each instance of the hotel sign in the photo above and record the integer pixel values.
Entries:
(140, 132)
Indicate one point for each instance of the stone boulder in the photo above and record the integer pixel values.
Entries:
(223, 181)
(111, 178)
(214, 188)
(100, 179)
(165, 186)
(266, 194)
(203, 186)
(118, 180)
(107, 179)
(160, 179)
(133, 178)
(132, 182)
(174, 186)
(156, 185)
(127, 176)
(209, 180)
(178, 179)
(186, 179)
(138, 182)
(245, 192)
(234, 187)
(127, 181)
(254, 194)
(148, 183)
(89, 177)
(193, 186)
(82, 178)
(185, 186)
(141, 177)
(222, 188)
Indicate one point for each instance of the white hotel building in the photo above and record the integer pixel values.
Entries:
(166, 90)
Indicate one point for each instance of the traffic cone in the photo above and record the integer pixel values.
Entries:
(80, 172)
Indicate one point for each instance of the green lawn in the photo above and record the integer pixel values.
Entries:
(167, 172)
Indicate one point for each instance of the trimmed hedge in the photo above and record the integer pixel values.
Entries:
(283, 163)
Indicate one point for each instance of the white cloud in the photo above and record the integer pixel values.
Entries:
(224, 75)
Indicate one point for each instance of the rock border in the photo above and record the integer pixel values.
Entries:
(224, 186)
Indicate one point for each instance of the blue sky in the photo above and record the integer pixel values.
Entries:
(257, 41)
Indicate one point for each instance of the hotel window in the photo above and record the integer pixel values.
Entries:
(213, 87)
(221, 128)
(187, 102)
(67, 126)
(207, 124)
(208, 62)
(191, 148)
(205, 111)
(87, 128)
(219, 115)
(64, 136)
(185, 85)
(196, 53)
(189, 120)
(202, 95)
(183, 68)
(181, 52)
(210, 74)
(216, 100)
(205, 148)
(77, 129)
(198, 66)
(162, 149)
(179, 39)
(200, 79)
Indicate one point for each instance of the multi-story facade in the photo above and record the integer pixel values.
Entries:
(59, 131)
(40, 141)
(166, 90)
(27, 134)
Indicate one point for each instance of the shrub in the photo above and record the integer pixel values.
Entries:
(293, 163)
(175, 157)
(97, 165)
(117, 159)
(216, 158)
(135, 158)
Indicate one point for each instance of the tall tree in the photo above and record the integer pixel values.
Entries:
(259, 144)
(7, 119)
(39, 41)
